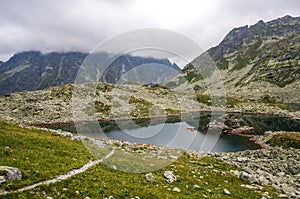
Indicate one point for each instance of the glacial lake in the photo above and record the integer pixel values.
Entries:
(187, 132)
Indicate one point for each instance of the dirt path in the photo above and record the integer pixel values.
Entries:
(62, 177)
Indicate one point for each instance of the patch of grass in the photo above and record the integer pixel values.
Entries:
(172, 111)
(281, 106)
(40, 155)
(285, 140)
(204, 99)
(64, 92)
(103, 87)
(242, 62)
(231, 102)
(210, 174)
(97, 107)
(223, 64)
(142, 107)
(3, 172)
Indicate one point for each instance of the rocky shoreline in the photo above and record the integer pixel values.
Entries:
(160, 116)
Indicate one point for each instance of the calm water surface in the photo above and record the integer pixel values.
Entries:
(176, 133)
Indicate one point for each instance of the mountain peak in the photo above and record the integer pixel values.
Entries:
(244, 35)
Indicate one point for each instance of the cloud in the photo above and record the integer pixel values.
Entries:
(79, 25)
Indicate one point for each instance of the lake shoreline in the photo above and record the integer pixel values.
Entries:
(164, 116)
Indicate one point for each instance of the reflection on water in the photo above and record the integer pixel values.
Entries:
(180, 135)
(187, 132)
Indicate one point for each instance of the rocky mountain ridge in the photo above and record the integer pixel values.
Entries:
(264, 56)
(32, 70)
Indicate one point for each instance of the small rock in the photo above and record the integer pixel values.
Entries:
(49, 197)
(246, 176)
(235, 172)
(226, 192)
(196, 186)
(171, 178)
(262, 180)
(87, 197)
(282, 196)
(149, 177)
(176, 189)
(2, 179)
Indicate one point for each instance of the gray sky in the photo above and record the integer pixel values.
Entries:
(79, 25)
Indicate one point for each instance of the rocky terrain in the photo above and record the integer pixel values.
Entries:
(276, 167)
(100, 101)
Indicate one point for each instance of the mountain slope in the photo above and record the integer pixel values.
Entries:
(29, 71)
(263, 54)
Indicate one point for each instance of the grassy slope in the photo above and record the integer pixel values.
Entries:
(40, 155)
(34, 150)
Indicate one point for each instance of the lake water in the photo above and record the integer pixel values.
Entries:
(176, 132)
(179, 135)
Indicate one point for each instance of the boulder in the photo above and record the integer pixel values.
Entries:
(171, 178)
(10, 173)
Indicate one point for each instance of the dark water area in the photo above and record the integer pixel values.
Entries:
(186, 132)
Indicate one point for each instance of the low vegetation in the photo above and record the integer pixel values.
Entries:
(285, 140)
(40, 155)
(141, 107)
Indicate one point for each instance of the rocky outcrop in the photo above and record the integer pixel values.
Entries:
(230, 125)
(9, 174)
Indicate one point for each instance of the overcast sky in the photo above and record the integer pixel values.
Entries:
(79, 25)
